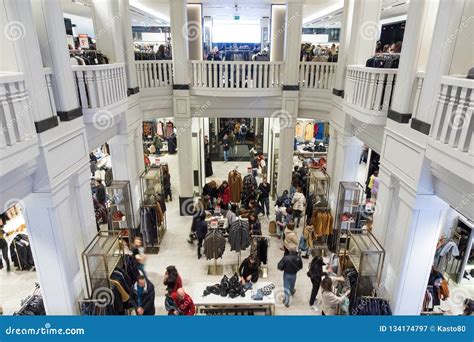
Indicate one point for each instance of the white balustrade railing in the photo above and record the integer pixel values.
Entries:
(369, 88)
(453, 123)
(48, 74)
(16, 118)
(153, 74)
(317, 75)
(237, 75)
(420, 79)
(100, 85)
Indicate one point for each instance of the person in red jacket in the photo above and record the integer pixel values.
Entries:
(224, 194)
(184, 303)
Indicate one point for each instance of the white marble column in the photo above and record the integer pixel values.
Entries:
(365, 31)
(277, 39)
(418, 18)
(384, 205)
(344, 41)
(285, 155)
(446, 30)
(185, 157)
(293, 27)
(179, 43)
(107, 18)
(19, 33)
(194, 15)
(410, 246)
(49, 22)
(129, 54)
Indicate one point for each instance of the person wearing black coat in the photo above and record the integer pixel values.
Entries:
(142, 297)
(315, 273)
(248, 270)
(201, 232)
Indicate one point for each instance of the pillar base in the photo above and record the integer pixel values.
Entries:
(133, 91)
(44, 125)
(70, 114)
(338, 92)
(398, 117)
(420, 126)
(186, 206)
(180, 86)
(291, 87)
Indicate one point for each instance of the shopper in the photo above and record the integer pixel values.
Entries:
(290, 264)
(224, 194)
(248, 270)
(183, 303)
(231, 214)
(138, 252)
(167, 184)
(172, 280)
(262, 164)
(329, 300)
(243, 133)
(255, 227)
(254, 165)
(142, 297)
(298, 202)
(315, 273)
(4, 249)
(226, 147)
(232, 143)
(291, 238)
(201, 232)
(100, 193)
(158, 143)
(264, 198)
(284, 200)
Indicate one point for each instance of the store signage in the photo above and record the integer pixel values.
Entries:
(83, 41)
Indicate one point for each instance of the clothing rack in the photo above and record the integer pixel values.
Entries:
(161, 230)
(36, 295)
(262, 269)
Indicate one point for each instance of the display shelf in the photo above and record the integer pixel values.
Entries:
(120, 199)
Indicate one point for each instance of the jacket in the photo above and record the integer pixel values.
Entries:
(291, 239)
(235, 185)
(290, 263)
(224, 195)
(247, 269)
(329, 302)
(186, 306)
(298, 201)
(201, 229)
(147, 300)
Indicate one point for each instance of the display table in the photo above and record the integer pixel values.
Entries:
(222, 222)
(216, 305)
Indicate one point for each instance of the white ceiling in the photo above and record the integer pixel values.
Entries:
(316, 13)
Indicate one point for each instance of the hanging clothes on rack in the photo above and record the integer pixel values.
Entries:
(149, 224)
(322, 221)
(298, 130)
(239, 237)
(236, 185)
(214, 244)
(20, 252)
(308, 131)
(160, 128)
(371, 306)
(259, 248)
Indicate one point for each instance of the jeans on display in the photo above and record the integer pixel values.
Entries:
(265, 206)
(226, 155)
(314, 291)
(289, 280)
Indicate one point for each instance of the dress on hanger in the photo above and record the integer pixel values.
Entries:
(308, 131)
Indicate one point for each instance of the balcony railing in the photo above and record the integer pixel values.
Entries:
(369, 88)
(153, 74)
(453, 124)
(16, 119)
(100, 85)
(237, 75)
(48, 74)
(317, 75)
(420, 79)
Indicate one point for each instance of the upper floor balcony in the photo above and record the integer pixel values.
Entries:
(102, 91)
(18, 140)
(452, 130)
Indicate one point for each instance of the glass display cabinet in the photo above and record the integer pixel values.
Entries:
(104, 253)
(119, 203)
(151, 181)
